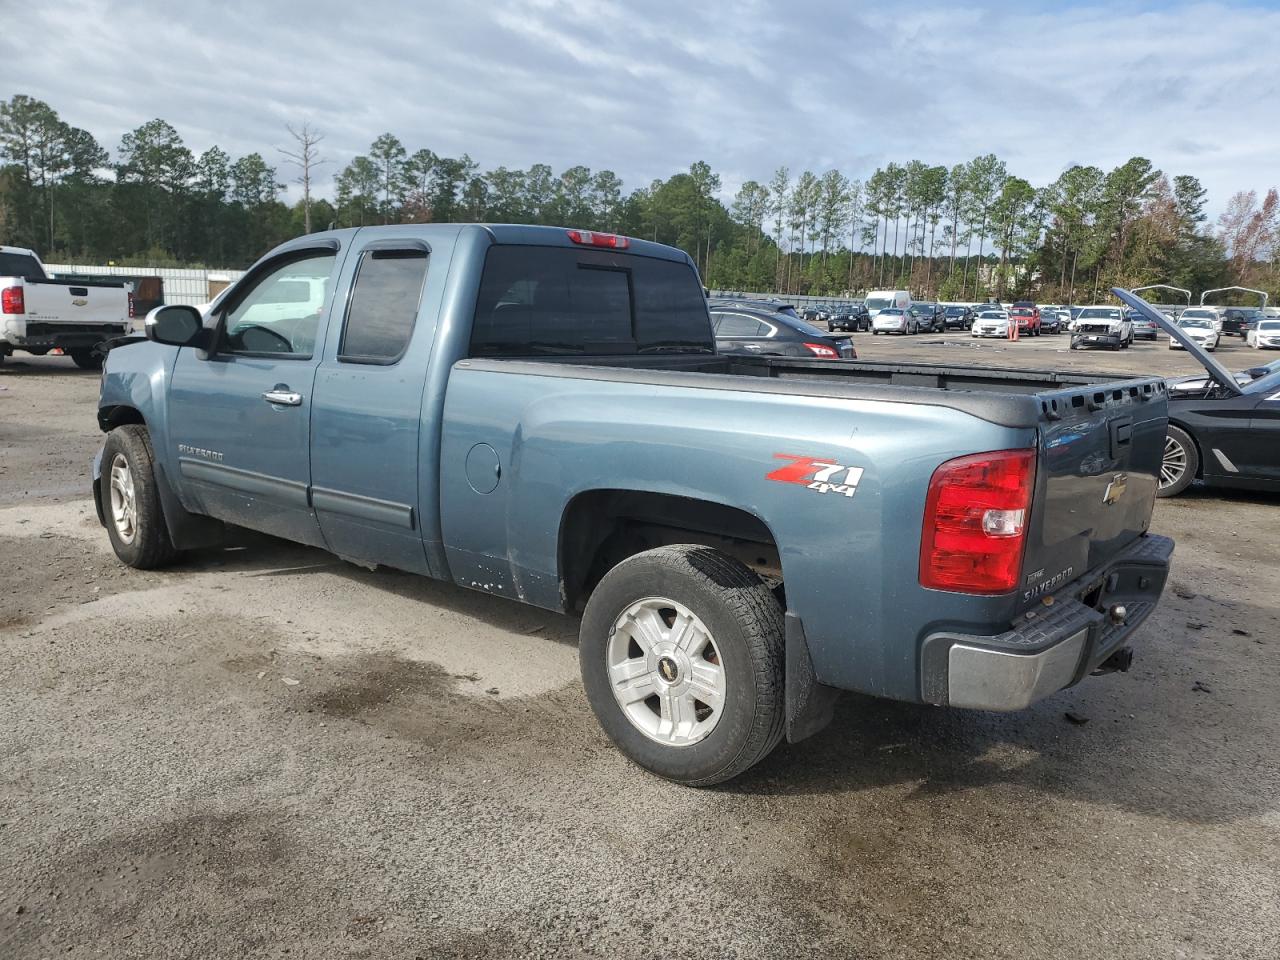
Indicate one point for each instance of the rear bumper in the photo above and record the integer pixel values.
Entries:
(1054, 646)
(21, 333)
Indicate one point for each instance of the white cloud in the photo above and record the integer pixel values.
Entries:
(645, 89)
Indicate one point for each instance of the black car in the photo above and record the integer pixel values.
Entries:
(958, 317)
(932, 317)
(850, 316)
(1224, 428)
(751, 331)
(1239, 320)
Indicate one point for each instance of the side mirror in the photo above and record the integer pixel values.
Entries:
(176, 324)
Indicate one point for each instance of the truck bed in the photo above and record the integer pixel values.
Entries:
(1007, 397)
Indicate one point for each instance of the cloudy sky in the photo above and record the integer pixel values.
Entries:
(645, 88)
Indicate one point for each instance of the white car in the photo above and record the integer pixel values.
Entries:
(990, 323)
(1102, 326)
(895, 320)
(1200, 329)
(1264, 335)
(1203, 313)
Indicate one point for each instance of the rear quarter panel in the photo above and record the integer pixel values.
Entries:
(850, 562)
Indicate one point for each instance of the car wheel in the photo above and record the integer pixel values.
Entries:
(681, 652)
(1180, 465)
(86, 359)
(131, 500)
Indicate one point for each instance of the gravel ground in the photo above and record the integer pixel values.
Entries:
(266, 752)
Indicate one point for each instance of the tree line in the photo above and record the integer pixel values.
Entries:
(956, 233)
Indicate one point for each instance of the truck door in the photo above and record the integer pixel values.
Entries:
(240, 419)
(368, 404)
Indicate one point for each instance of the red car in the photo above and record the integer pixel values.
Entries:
(1028, 317)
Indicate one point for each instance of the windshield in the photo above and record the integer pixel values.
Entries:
(954, 311)
(895, 312)
(991, 315)
(1099, 313)
(1269, 325)
(1206, 314)
(879, 303)
(1186, 322)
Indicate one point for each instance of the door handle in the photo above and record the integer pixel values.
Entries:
(283, 396)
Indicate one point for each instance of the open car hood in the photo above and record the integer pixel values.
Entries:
(1220, 374)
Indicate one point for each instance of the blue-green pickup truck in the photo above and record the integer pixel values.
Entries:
(539, 413)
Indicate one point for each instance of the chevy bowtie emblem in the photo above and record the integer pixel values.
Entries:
(1115, 489)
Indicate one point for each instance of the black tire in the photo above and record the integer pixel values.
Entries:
(86, 359)
(745, 620)
(1191, 453)
(150, 545)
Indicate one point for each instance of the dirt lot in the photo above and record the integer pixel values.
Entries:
(266, 752)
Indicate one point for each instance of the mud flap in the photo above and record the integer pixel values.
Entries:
(810, 704)
(188, 531)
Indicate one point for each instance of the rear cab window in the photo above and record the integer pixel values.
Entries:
(384, 305)
(20, 265)
(559, 301)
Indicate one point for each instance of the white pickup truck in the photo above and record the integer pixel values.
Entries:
(39, 313)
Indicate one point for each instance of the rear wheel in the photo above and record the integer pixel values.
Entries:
(681, 651)
(86, 358)
(1180, 464)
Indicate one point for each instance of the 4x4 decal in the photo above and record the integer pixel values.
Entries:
(818, 474)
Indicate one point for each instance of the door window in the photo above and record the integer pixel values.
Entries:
(280, 314)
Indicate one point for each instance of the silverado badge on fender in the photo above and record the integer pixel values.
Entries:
(815, 473)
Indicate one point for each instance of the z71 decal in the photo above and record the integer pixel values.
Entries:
(816, 473)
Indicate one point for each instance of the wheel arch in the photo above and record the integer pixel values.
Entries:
(118, 415)
(600, 528)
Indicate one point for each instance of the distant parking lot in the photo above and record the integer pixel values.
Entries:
(1051, 351)
(268, 752)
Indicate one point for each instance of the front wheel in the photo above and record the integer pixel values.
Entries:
(681, 651)
(131, 500)
(1180, 464)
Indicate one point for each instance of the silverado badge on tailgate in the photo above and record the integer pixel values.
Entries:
(818, 474)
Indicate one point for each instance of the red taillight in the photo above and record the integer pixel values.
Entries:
(822, 350)
(590, 238)
(12, 300)
(132, 314)
(975, 522)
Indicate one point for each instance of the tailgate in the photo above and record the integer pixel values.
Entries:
(1100, 453)
(59, 302)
